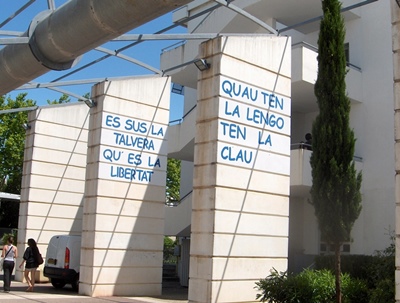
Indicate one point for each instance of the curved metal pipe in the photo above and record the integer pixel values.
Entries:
(59, 37)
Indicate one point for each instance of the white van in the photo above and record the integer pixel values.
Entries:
(62, 261)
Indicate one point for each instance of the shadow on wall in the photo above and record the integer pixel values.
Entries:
(54, 174)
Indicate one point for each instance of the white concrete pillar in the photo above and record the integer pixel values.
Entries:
(396, 69)
(53, 179)
(242, 167)
(123, 220)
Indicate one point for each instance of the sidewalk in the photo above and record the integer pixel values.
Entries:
(45, 293)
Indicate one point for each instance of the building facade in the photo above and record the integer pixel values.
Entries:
(369, 86)
(252, 35)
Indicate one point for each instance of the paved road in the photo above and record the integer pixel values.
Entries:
(46, 293)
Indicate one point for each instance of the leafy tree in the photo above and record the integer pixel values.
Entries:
(63, 99)
(168, 251)
(14, 233)
(66, 99)
(87, 95)
(173, 181)
(335, 193)
(12, 142)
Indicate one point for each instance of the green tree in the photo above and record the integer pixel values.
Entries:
(63, 99)
(87, 96)
(168, 251)
(173, 181)
(335, 192)
(12, 142)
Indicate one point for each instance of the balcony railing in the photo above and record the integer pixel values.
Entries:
(300, 169)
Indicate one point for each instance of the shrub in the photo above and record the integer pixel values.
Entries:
(377, 271)
(279, 287)
(384, 292)
(357, 266)
(168, 251)
(322, 283)
(354, 290)
(371, 269)
(383, 268)
(311, 286)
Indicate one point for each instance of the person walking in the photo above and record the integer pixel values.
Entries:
(30, 257)
(9, 253)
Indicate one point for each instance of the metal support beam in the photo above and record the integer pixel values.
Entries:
(320, 17)
(17, 40)
(51, 5)
(11, 33)
(247, 15)
(144, 37)
(20, 109)
(63, 35)
(68, 93)
(166, 29)
(129, 59)
(73, 82)
(22, 8)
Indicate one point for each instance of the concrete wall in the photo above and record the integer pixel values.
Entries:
(53, 175)
(371, 114)
(241, 200)
(372, 121)
(396, 64)
(123, 221)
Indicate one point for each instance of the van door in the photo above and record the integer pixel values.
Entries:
(55, 252)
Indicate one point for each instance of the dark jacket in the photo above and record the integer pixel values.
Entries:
(30, 258)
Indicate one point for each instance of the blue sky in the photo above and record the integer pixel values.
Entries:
(147, 52)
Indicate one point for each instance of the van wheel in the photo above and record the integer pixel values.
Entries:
(57, 283)
(75, 283)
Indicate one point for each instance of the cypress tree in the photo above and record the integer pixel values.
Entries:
(335, 192)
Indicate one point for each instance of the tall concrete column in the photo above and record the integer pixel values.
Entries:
(123, 214)
(53, 178)
(396, 87)
(241, 180)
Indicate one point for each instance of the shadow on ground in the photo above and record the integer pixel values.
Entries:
(171, 289)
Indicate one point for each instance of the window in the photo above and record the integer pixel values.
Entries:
(347, 52)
